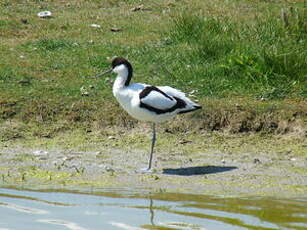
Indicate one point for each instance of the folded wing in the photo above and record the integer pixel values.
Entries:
(153, 97)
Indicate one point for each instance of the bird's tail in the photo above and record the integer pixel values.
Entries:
(193, 108)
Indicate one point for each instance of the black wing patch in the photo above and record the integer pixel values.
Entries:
(148, 89)
(179, 102)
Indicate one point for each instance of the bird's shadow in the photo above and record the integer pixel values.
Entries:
(199, 170)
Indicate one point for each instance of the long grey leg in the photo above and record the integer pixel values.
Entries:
(153, 141)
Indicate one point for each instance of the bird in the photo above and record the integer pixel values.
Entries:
(146, 102)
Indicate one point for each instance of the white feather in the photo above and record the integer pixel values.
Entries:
(177, 93)
(171, 91)
(158, 100)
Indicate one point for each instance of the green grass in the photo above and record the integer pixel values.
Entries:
(262, 58)
(198, 46)
(46, 44)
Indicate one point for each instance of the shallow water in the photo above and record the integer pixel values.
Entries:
(75, 210)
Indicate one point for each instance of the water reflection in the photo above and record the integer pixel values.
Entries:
(23, 209)
(152, 214)
(125, 226)
(67, 224)
(75, 210)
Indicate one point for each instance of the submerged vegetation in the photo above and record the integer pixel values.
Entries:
(244, 60)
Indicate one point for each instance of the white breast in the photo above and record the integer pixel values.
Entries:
(128, 98)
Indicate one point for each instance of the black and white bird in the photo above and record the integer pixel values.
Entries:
(147, 102)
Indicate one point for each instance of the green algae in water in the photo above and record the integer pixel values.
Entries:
(125, 209)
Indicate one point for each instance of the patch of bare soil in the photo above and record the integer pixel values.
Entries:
(203, 172)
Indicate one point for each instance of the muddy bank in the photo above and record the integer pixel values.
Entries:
(206, 163)
(232, 115)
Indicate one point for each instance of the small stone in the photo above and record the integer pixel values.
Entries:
(44, 14)
(24, 21)
(137, 8)
(184, 141)
(238, 106)
(46, 135)
(111, 137)
(256, 161)
(171, 4)
(84, 91)
(109, 169)
(115, 29)
(24, 81)
(95, 25)
(293, 159)
(168, 131)
(42, 158)
(40, 153)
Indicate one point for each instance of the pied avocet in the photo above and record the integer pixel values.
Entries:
(147, 102)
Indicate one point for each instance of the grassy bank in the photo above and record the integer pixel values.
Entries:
(241, 59)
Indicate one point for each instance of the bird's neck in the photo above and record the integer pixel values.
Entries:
(120, 81)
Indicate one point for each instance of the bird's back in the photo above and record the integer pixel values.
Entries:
(156, 104)
(177, 93)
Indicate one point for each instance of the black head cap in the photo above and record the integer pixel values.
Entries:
(122, 61)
